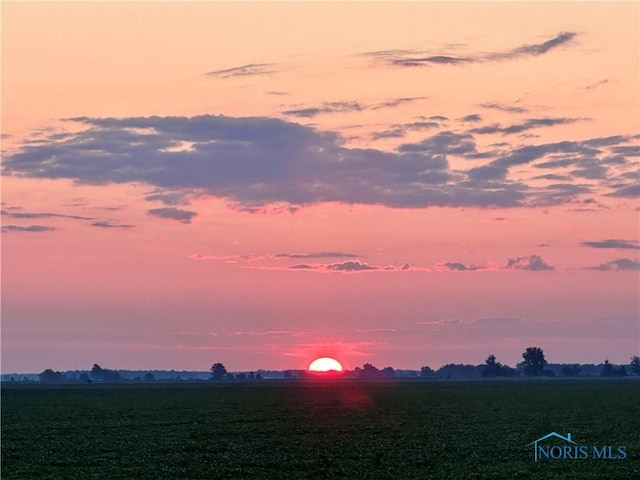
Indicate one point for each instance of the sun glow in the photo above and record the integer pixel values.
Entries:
(325, 364)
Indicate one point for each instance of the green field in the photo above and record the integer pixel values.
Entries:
(317, 429)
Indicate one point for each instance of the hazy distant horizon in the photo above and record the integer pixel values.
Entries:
(262, 184)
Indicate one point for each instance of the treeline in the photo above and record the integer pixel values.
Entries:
(534, 364)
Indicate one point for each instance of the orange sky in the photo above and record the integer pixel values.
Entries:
(257, 184)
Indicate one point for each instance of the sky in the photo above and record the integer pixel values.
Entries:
(263, 184)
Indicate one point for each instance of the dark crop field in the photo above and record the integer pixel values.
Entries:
(317, 429)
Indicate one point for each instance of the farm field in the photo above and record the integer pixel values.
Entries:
(317, 429)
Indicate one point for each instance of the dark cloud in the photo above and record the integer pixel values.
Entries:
(530, 262)
(534, 49)
(619, 264)
(327, 107)
(107, 224)
(614, 243)
(628, 191)
(268, 165)
(41, 215)
(627, 150)
(350, 266)
(503, 107)
(172, 213)
(458, 267)
(413, 58)
(471, 118)
(400, 130)
(394, 133)
(433, 59)
(302, 266)
(345, 107)
(521, 127)
(250, 69)
(169, 198)
(316, 255)
(443, 143)
(30, 228)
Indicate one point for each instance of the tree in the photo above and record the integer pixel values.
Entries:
(148, 377)
(218, 371)
(635, 365)
(388, 372)
(570, 370)
(426, 372)
(104, 374)
(49, 376)
(492, 367)
(534, 362)
(84, 377)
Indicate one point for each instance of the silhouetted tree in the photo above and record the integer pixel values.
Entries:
(369, 371)
(492, 367)
(148, 377)
(218, 371)
(609, 370)
(388, 372)
(258, 376)
(104, 374)
(635, 365)
(49, 376)
(241, 376)
(426, 372)
(570, 371)
(84, 377)
(534, 362)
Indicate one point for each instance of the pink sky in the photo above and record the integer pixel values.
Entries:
(261, 184)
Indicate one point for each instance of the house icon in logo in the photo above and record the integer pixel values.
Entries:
(549, 435)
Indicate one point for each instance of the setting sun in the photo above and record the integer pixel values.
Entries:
(325, 364)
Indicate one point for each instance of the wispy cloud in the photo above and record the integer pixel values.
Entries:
(619, 264)
(184, 216)
(614, 243)
(347, 106)
(521, 127)
(108, 224)
(316, 255)
(30, 228)
(251, 69)
(41, 215)
(504, 107)
(413, 58)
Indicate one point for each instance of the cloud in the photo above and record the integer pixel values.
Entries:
(350, 266)
(172, 213)
(471, 118)
(614, 243)
(229, 258)
(347, 106)
(530, 262)
(316, 255)
(107, 224)
(250, 69)
(41, 215)
(457, 267)
(503, 107)
(30, 228)
(413, 58)
(619, 264)
(597, 84)
(521, 127)
(268, 165)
